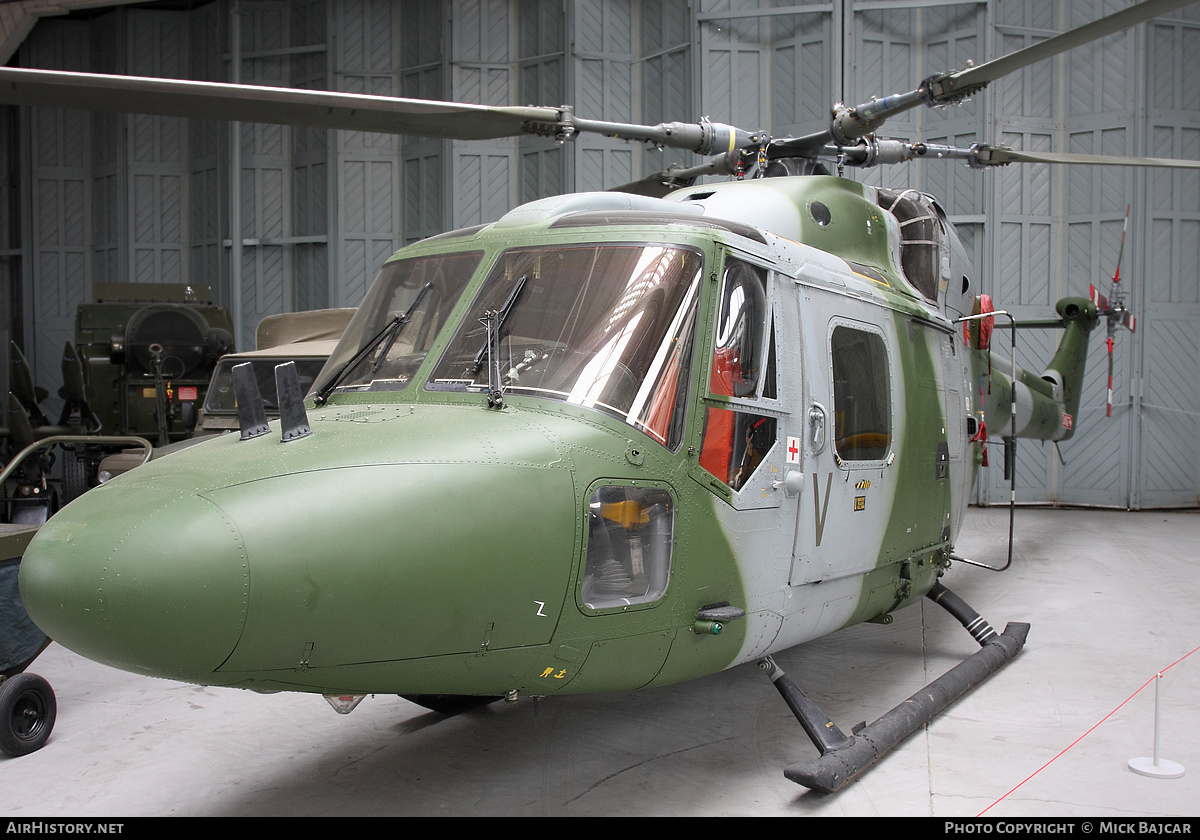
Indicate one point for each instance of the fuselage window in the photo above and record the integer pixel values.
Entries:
(861, 395)
(743, 368)
(630, 536)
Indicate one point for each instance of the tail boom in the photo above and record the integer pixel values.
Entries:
(1047, 405)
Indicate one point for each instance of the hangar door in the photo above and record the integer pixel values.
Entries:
(110, 198)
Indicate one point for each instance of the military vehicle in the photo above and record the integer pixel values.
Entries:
(608, 441)
(148, 351)
(306, 338)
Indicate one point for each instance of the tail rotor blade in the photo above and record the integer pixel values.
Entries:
(1120, 252)
(1114, 310)
(1108, 412)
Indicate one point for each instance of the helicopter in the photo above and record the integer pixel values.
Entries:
(609, 441)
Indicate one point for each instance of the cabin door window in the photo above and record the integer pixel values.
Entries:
(862, 420)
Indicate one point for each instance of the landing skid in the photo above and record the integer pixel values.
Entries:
(845, 757)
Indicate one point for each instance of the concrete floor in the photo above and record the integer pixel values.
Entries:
(1111, 597)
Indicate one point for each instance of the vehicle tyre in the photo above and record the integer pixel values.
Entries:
(27, 712)
(75, 474)
(449, 704)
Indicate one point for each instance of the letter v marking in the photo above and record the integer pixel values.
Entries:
(820, 510)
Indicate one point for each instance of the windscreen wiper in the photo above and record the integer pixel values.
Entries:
(496, 318)
(493, 320)
(390, 332)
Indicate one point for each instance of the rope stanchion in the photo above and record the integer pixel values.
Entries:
(1089, 732)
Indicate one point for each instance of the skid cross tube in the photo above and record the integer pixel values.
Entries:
(841, 763)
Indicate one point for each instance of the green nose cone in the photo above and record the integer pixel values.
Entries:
(143, 578)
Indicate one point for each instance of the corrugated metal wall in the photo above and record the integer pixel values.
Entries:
(116, 197)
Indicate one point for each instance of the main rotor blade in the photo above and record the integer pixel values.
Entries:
(1000, 155)
(961, 82)
(285, 106)
(874, 151)
(351, 111)
(849, 125)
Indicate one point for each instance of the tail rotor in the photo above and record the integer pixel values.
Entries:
(1114, 309)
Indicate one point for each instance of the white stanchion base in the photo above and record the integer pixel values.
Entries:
(1164, 769)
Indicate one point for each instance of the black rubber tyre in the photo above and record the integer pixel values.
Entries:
(27, 712)
(449, 704)
(75, 474)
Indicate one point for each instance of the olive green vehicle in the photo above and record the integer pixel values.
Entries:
(606, 442)
(140, 367)
(148, 350)
(306, 338)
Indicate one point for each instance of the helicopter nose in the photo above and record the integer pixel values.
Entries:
(143, 579)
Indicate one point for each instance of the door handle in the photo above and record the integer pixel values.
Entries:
(816, 428)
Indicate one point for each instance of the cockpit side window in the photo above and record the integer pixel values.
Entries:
(742, 369)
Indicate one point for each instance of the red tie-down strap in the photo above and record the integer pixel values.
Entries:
(981, 438)
(983, 305)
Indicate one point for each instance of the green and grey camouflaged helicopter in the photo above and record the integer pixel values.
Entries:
(609, 441)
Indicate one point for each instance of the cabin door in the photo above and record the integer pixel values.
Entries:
(849, 441)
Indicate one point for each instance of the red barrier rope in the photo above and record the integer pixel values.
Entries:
(1089, 732)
